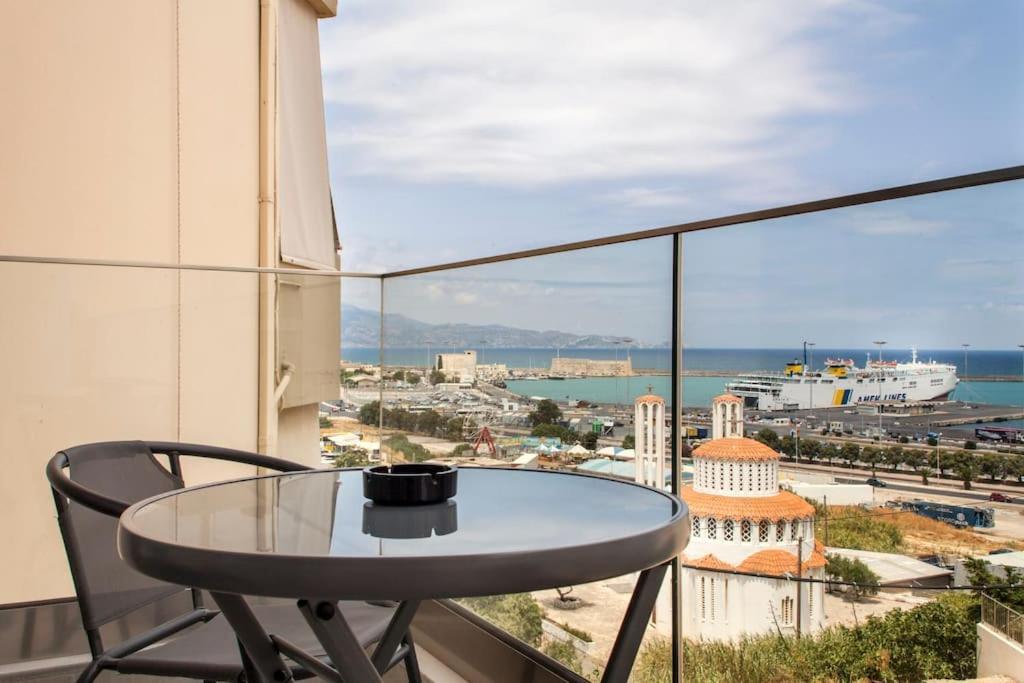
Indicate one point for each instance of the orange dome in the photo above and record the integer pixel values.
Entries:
(727, 398)
(779, 562)
(649, 398)
(783, 505)
(709, 561)
(735, 448)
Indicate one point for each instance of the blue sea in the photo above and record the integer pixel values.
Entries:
(698, 391)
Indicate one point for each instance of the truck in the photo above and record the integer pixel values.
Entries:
(959, 516)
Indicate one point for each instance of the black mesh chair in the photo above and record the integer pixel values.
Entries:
(92, 485)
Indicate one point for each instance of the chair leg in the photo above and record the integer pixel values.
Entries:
(412, 665)
(90, 672)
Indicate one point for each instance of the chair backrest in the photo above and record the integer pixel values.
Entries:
(123, 470)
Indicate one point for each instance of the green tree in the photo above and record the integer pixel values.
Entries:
(325, 423)
(853, 571)
(787, 445)
(453, 429)
(769, 437)
(993, 466)
(463, 449)
(517, 614)
(589, 441)
(629, 441)
(547, 412)
(829, 452)
(966, 469)
(872, 456)
(1011, 592)
(810, 449)
(437, 377)
(412, 378)
(850, 452)
(429, 422)
(369, 413)
(554, 431)
(565, 653)
(947, 461)
(970, 445)
(894, 456)
(353, 457)
(1015, 467)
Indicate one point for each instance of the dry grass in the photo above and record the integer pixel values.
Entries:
(925, 535)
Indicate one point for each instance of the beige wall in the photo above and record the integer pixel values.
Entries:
(118, 146)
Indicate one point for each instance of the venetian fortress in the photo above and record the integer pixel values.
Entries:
(740, 522)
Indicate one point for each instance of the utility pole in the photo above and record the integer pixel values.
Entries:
(965, 347)
(824, 503)
(799, 584)
(810, 345)
(880, 344)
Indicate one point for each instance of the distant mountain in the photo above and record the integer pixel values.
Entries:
(360, 327)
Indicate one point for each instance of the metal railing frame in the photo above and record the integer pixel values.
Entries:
(1002, 618)
(1012, 623)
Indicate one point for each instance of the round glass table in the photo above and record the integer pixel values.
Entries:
(313, 537)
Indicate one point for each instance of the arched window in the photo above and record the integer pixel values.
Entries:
(703, 599)
(787, 611)
(780, 531)
(762, 531)
(794, 530)
(727, 530)
(695, 530)
(745, 531)
(712, 528)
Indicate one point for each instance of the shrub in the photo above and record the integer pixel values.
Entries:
(518, 614)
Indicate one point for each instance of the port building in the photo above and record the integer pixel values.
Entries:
(588, 367)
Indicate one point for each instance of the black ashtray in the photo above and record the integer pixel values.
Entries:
(409, 484)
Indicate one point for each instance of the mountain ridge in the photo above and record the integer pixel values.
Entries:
(360, 328)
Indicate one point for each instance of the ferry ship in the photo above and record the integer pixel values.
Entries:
(842, 383)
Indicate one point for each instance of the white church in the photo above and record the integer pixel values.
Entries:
(740, 522)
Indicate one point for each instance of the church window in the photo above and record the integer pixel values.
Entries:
(810, 601)
(703, 599)
(712, 528)
(727, 530)
(711, 602)
(794, 530)
(695, 532)
(787, 611)
(725, 601)
(780, 531)
(745, 531)
(732, 472)
(762, 531)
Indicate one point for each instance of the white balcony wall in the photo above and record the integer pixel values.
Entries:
(131, 131)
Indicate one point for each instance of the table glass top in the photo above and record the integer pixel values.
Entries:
(324, 513)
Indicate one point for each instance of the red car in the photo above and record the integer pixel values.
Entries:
(997, 497)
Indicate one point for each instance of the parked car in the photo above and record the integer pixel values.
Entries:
(997, 497)
(875, 481)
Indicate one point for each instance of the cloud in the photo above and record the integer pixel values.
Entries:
(537, 93)
(886, 223)
(647, 197)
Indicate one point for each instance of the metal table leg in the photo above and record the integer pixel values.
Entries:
(262, 654)
(342, 646)
(634, 623)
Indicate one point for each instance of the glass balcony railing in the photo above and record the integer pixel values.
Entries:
(869, 351)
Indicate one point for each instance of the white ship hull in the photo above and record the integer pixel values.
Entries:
(904, 382)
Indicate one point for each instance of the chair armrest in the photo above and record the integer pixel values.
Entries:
(62, 483)
(229, 454)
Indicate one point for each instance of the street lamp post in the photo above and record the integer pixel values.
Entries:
(1021, 347)
(810, 345)
(965, 347)
(880, 344)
